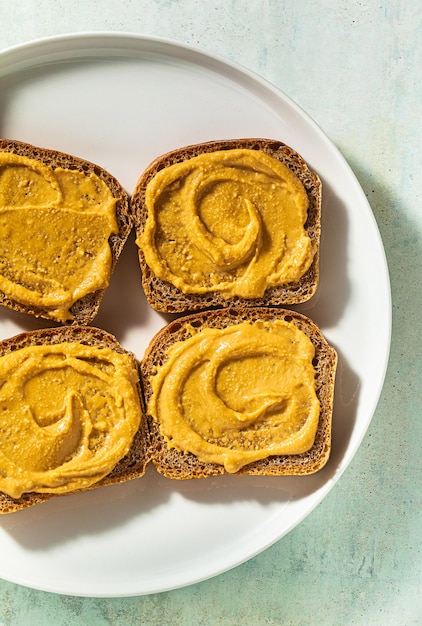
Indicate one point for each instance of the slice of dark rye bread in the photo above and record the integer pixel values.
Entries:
(85, 309)
(131, 466)
(174, 464)
(165, 297)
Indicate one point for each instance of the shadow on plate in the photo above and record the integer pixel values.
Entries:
(326, 307)
(63, 519)
(124, 305)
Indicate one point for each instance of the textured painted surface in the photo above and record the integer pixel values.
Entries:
(355, 68)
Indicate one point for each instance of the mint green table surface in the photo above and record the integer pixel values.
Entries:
(355, 68)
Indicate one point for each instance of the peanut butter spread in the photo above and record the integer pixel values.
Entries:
(68, 413)
(230, 221)
(237, 395)
(54, 230)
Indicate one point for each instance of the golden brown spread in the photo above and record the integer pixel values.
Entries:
(69, 413)
(54, 230)
(230, 221)
(237, 395)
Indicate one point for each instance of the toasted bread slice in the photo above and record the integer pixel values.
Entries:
(84, 309)
(134, 463)
(164, 296)
(173, 463)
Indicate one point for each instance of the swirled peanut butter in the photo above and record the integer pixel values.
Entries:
(240, 394)
(68, 414)
(54, 230)
(230, 221)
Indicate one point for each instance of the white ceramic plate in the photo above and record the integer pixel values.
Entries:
(120, 101)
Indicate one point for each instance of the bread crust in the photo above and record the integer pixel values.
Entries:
(85, 309)
(131, 466)
(165, 297)
(179, 465)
